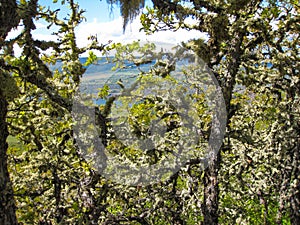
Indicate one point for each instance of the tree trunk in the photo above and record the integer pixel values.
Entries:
(210, 180)
(8, 20)
(8, 17)
(295, 187)
(7, 203)
(211, 190)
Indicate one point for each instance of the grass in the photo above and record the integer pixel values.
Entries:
(13, 142)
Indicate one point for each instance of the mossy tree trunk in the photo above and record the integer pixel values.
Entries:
(8, 20)
(7, 203)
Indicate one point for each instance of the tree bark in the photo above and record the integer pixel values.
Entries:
(7, 203)
(8, 20)
(295, 186)
(8, 17)
(210, 180)
(211, 190)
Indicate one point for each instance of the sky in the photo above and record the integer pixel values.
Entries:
(106, 22)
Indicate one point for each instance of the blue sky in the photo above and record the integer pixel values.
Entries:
(94, 9)
(98, 9)
(107, 24)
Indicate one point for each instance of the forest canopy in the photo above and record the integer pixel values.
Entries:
(252, 174)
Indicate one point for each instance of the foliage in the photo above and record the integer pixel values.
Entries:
(252, 48)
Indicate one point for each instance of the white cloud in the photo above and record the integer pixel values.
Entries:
(40, 25)
(40, 33)
(113, 30)
(14, 32)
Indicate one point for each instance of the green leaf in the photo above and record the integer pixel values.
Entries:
(104, 91)
(92, 58)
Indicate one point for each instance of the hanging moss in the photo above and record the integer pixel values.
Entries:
(129, 9)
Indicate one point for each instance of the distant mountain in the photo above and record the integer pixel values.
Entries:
(100, 73)
(104, 65)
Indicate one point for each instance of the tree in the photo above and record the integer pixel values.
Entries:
(9, 20)
(237, 36)
(30, 75)
(253, 49)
